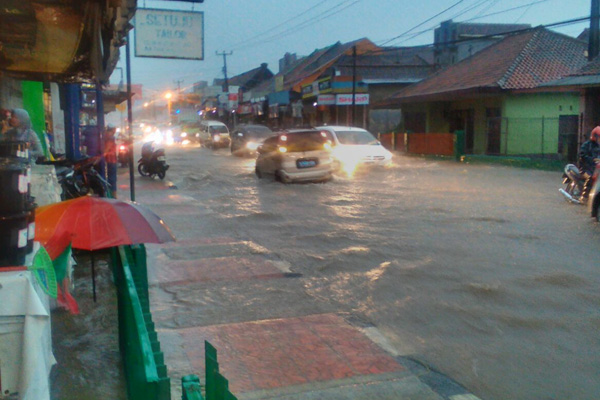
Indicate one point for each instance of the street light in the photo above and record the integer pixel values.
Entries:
(168, 96)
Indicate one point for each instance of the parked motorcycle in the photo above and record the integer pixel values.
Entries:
(153, 161)
(79, 178)
(594, 197)
(575, 183)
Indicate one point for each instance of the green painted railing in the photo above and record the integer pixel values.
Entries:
(217, 387)
(145, 371)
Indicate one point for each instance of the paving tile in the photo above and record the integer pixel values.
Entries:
(180, 272)
(283, 352)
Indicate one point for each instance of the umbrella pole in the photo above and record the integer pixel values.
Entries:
(93, 276)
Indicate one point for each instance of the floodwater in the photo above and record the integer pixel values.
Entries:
(482, 272)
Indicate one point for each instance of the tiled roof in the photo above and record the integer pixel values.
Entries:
(321, 59)
(519, 61)
(394, 64)
(247, 78)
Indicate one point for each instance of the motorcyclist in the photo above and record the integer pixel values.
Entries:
(589, 155)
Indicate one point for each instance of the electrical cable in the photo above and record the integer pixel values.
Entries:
(424, 22)
(319, 3)
(294, 28)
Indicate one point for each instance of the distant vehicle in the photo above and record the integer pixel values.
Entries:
(213, 134)
(295, 156)
(190, 130)
(352, 147)
(246, 138)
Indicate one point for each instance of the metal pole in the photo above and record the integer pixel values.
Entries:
(130, 121)
(353, 85)
(594, 41)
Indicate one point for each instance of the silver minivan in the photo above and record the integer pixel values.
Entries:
(213, 134)
(295, 156)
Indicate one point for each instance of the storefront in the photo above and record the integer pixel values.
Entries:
(329, 101)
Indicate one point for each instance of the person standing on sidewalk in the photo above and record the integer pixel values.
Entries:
(19, 129)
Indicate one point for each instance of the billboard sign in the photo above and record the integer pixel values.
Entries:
(169, 34)
(346, 99)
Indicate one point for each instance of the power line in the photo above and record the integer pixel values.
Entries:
(293, 29)
(424, 22)
(416, 34)
(250, 39)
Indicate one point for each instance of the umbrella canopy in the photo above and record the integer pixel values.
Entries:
(95, 223)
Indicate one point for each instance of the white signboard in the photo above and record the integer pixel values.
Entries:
(346, 99)
(169, 34)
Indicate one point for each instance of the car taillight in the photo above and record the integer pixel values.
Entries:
(122, 147)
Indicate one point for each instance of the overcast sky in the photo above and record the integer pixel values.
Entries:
(262, 31)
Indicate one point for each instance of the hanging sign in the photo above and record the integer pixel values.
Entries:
(169, 34)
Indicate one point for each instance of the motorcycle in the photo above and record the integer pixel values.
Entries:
(79, 178)
(574, 180)
(123, 154)
(153, 161)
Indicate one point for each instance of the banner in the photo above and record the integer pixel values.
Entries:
(169, 34)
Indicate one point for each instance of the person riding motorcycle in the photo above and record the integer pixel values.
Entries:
(589, 155)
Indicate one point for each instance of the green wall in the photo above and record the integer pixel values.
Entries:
(33, 103)
(531, 124)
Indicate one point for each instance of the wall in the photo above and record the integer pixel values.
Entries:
(530, 124)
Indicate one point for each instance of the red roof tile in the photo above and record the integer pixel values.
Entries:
(519, 61)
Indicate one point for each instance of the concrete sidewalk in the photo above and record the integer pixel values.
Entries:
(273, 340)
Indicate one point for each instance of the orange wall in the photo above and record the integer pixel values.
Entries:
(431, 143)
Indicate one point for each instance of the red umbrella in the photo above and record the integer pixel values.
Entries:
(94, 223)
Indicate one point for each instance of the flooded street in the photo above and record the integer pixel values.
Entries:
(482, 272)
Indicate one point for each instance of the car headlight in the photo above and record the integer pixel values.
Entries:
(183, 134)
(217, 138)
(252, 145)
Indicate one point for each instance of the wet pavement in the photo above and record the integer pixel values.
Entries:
(428, 280)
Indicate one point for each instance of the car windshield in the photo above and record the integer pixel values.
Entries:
(355, 137)
(218, 129)
(259, 132)
(303, 141)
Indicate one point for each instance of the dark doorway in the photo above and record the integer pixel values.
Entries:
(464, 120)
(415, 122)
(567, 137)
(494, 126)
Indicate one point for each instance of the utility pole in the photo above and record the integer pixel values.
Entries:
(594, 41)
(354, 85)
(225, 54)
(179, 82)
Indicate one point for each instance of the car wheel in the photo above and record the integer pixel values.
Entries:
(597, 207)
(279, 177)
(259, 174)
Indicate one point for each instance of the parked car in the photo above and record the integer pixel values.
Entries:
(295, 156)
(353, 147)
(213, 134)
(246, 138)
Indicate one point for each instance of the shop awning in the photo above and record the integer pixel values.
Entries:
(63, 40)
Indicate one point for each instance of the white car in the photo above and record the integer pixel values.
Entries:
(296, 156)
(352, 147)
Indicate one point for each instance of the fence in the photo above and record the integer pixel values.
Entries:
(535, 138)
(217, 387)
(145, 371)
